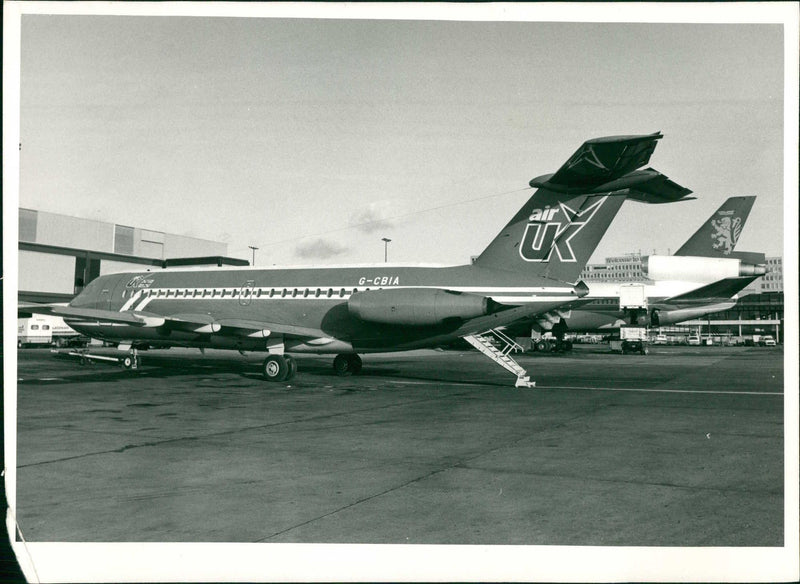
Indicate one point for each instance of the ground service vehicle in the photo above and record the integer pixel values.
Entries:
(34, 331)
(634, 339)
(45, 330)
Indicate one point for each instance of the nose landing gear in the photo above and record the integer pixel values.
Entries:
(131, 361)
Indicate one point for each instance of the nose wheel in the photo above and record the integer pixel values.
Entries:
(279, 368)
(131, 361)
(347, 364)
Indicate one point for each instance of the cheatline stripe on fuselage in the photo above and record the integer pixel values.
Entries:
(322, 293)
(363, 287)
(132, 299)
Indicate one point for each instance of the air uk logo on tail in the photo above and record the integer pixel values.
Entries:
(726, 231)
(553, 228)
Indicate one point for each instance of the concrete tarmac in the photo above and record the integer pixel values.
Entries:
(683, 447)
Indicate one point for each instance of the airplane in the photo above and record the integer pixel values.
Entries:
(701, 278)
(530, 268)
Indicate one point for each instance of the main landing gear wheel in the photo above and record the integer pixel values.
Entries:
(276, 368)
(292, 364)
(347, 364)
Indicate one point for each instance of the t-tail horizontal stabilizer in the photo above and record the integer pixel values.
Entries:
(557, 230)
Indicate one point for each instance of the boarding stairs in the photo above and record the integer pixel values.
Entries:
(487, 341)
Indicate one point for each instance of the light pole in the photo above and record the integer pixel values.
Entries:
(254, 254)
(386, 241)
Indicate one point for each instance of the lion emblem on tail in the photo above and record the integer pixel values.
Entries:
(726, 233)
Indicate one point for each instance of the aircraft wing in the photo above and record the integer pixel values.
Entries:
(720, 290)
(25, 310)
(199, 323)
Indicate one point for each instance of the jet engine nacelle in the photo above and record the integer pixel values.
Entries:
(415, 306)
(697, 269)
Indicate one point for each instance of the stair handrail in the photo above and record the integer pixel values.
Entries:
(511, 344)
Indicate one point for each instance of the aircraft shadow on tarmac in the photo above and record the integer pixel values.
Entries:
(313, 368)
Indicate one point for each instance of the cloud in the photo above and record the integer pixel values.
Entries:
(370, 219)
(319, 249)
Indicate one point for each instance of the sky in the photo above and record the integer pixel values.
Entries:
(314, 139)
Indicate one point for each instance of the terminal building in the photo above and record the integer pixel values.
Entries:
(59, 255)
(624, 268)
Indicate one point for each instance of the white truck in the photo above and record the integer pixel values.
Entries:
(42, 330)
(34, 331)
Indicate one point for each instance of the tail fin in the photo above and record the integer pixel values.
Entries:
(717, 237)
(553, 235)
(557, 230)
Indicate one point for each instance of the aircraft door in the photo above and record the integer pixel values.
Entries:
(113, 300)
(104, 296)
(246, 293)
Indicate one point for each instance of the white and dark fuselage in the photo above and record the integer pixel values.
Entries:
(678, 288)
(313, 310)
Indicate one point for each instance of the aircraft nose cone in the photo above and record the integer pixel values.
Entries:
(581, 289)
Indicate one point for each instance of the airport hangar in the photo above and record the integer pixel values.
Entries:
(60, 254)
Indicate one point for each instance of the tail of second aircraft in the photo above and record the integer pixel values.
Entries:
(557, 230)
(717, 237)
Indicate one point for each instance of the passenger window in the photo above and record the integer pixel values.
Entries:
(34, 327)
(305, 293)
(45, 327)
